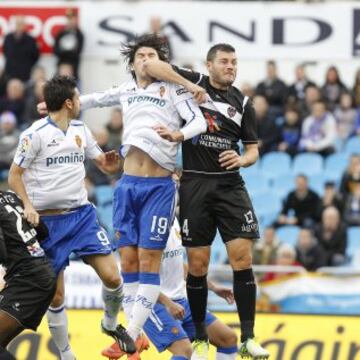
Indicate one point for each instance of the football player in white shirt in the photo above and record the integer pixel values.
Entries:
(48, 174)
(170, 326)
(144, 199)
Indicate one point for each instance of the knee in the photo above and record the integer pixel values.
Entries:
(112, 281)
(183, 349)
(198, 267)
(241, 262)
(129, 264)
(230, 340)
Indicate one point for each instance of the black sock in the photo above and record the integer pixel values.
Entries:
(245, 298)
(5, 355)
(197, 292)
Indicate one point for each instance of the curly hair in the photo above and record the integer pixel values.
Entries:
(153, 41)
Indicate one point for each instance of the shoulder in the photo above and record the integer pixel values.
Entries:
(77, 123)
(39, 125)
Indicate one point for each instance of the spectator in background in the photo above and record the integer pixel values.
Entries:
(345, 116)
(247, 90)
(14, 100)
(69, 43)
(312, 95)
(115, 129)
(357, 123)
(332, 236)
(273, 89)
(268, 131)
(333, 88)
(351, 177)
(264, 252)
(331, 198)
(356, 89)
(352, 207)
(96, 176)
(300, 206)
(37, 96)
(9, 138)
(21, 52)
(285, 256)
(296, 91)
(156, 28)
(38, 74)
(290, 131)
(318, 133)
(308, 252)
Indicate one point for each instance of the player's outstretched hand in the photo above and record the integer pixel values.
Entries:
(224, 293)
(198, 92)
(176, 310)
(230, 159)
(31, 215)
(41, 108)
(165, 133)
(110, 162)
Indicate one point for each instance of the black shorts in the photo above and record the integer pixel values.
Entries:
(28, 294)
(208, 203)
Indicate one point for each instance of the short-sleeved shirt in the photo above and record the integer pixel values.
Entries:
(230, 117)
(54, 163)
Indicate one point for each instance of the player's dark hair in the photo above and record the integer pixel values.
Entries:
(57, 90)
(218, 47)
(153, 41)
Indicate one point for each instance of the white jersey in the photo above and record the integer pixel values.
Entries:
(54, 163)
(172, 282)
(160, 103)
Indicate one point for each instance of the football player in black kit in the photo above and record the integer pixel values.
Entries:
(212, 192)
(30, 279)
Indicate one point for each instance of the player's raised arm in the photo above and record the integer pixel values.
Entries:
(162, 70)
(107, 98)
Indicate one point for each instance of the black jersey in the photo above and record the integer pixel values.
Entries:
(232, 121)
(19, 244)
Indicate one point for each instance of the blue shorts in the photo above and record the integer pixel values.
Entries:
(78, 232)
(163, 330)
(144, 209)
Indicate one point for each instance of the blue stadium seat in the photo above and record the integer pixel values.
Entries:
(105, 217)
(307, 164)
(288, 234)
(4, 175)
(317, 183)
(267, 207)
(218, 251)
(251, 170)
(336, 163)
(352, 146)
(104, 195)
(275, 164)
(256, 184)
(353, 241)
(283, 185)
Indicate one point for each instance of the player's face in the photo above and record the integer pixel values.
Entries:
(143, 54)
(223, 68)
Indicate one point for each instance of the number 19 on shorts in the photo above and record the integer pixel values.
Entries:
(159, 225)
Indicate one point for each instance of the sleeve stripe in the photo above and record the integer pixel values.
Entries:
(200, 77)
(192, 111)
(21, 161)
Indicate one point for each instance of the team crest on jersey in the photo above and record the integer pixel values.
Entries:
(78, 141)
(24, 145)
(162, 91)
(212, 123)
(175, 330)
(231, 111)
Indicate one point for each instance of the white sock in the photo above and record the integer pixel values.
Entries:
(130, 290)
(226, 353)
(112, 300)
(146, 297)
(58, 326)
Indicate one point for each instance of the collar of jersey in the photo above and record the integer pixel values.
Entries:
(53, 123)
